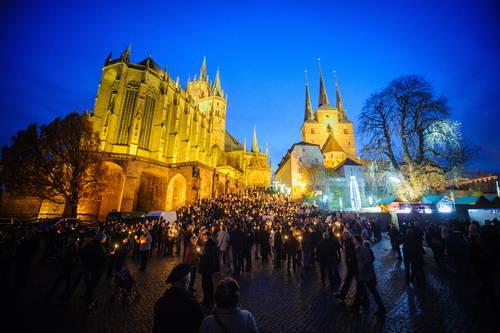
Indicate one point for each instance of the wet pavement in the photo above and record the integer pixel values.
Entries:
(280, 301)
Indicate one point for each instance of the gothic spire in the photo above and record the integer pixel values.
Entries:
(340, 105)
(323, 98)
(125, 57)
(108, 59)
(308, 114)
(255, 145)
(203, 70)
(217, 90)
(165, 73)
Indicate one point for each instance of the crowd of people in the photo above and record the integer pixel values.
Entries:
(228, 235)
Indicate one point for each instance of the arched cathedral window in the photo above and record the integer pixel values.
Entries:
(147, 120)
(131, 93)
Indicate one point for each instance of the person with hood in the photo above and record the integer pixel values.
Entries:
(208, 266)
(228, 316)
(177, 310)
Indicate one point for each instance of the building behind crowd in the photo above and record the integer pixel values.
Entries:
(166, 145)
(324, 164)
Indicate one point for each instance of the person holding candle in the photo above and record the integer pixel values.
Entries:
(192, 259)
(144, 248)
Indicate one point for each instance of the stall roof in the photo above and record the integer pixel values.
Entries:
(390, 199)
(472, 200)
(491, 197)
(432, 199)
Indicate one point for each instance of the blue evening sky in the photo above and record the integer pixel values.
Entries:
(52, 53)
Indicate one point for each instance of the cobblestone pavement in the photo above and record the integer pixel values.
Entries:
(280, 301)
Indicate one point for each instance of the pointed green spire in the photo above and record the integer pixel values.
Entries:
(255, 145)
(203, 70)
(323, 98)
(308, 114)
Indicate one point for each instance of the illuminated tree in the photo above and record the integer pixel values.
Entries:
(60, 162)
(406, 125)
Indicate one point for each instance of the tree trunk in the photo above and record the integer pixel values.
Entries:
(71, 206)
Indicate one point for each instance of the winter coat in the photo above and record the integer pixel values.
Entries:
(327, 250)
(208, 260)
(364, 260)
(223, 240)
(234, 320)
(292, 244)
(177, 311)
(236, 239)
(307, 242)
(191, 256)
(93, 257)
(350, 255)
(278, 240)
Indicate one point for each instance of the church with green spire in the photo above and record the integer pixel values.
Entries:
(324, 165)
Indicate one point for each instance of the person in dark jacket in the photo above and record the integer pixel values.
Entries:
(177, 310)
(247, 249)
(93, 257)
(351, 265)
(292, 246)
(24, 256)
(236, 240)
(68, 262)
(327, 253)
(264, 244)
(308, 248)
(192, 259)
(413, 258)
(207, 267)
(395, 237)
(278, 247)
(365, 277)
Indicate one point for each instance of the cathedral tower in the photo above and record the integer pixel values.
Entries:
(328, 126)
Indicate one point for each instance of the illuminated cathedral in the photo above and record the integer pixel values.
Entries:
(328, 150)
(166, 145)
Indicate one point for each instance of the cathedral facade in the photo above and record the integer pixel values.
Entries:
(172, 140)
(166, 145)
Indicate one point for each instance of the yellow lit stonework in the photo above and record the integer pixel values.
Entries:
(166, 146)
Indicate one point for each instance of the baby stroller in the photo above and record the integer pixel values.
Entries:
(123, 288)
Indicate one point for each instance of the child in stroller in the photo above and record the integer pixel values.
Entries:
(124, 288)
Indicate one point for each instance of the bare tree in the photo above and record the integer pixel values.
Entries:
(407, 125)
(377, 122)
(61, 163)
